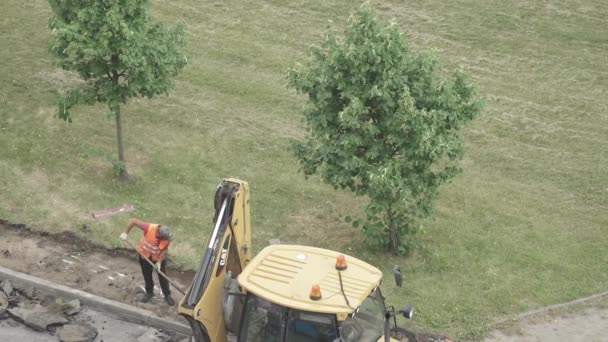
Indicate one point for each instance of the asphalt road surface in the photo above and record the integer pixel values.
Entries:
(109, 329)
(589, 325)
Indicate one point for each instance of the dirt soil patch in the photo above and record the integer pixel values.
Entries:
(69, 260)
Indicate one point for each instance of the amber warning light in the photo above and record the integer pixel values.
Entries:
(315, 292)
(341, 263)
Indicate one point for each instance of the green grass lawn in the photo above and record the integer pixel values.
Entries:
(524, 226)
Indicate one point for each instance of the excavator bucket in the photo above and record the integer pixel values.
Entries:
(212, 304)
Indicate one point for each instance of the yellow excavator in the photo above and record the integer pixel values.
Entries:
(287, 293)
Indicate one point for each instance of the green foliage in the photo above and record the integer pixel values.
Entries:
(117, 50)
(383, 124)
(118, 167)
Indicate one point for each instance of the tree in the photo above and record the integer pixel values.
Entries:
(118, 52)
(382, 123)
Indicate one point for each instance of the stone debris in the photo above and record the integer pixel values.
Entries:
(15, 299)
(44, 313)
(12, 322)
(38, 318)
(7, 287)
(42, 320)
(3, 302)
(72, 307)
(77, 333)
(29, 292)
(18, 313)
(153, 335)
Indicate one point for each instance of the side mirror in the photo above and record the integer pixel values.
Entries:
(398, 276)
(408, 312)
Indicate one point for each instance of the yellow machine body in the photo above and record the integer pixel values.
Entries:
(228, 251)
(283, 275)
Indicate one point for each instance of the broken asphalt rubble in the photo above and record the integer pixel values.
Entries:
(54, 315)
(43, 313)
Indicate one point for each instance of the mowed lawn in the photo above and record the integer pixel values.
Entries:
(524, 226)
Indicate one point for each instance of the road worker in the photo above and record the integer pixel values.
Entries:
(155, 247)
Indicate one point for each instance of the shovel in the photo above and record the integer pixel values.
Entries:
(157, 269)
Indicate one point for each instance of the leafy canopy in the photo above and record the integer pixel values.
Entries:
(382, 123)
(116, 49)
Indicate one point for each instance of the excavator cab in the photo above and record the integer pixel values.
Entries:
(307, 294)
(264, 320)
(287, 293)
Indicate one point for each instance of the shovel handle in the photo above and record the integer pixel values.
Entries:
(157, 269)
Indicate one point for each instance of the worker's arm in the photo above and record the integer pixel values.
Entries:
(139, 223)
(132, 223)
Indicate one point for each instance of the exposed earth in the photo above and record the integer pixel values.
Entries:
(67, 259)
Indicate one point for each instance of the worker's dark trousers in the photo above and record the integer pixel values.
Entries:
(147, 270)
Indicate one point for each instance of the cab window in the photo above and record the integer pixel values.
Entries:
(367, 323)
(262, 321)
(310, 327)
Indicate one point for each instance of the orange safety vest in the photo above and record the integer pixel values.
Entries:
(150, 246)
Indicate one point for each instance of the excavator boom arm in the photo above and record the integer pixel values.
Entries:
(227, 253)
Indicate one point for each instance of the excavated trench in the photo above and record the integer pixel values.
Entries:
(70, 260)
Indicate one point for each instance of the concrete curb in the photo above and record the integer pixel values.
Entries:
(127, 312)
(547, 309)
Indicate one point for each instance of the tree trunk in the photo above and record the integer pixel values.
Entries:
(393, 232)
(123, 175)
